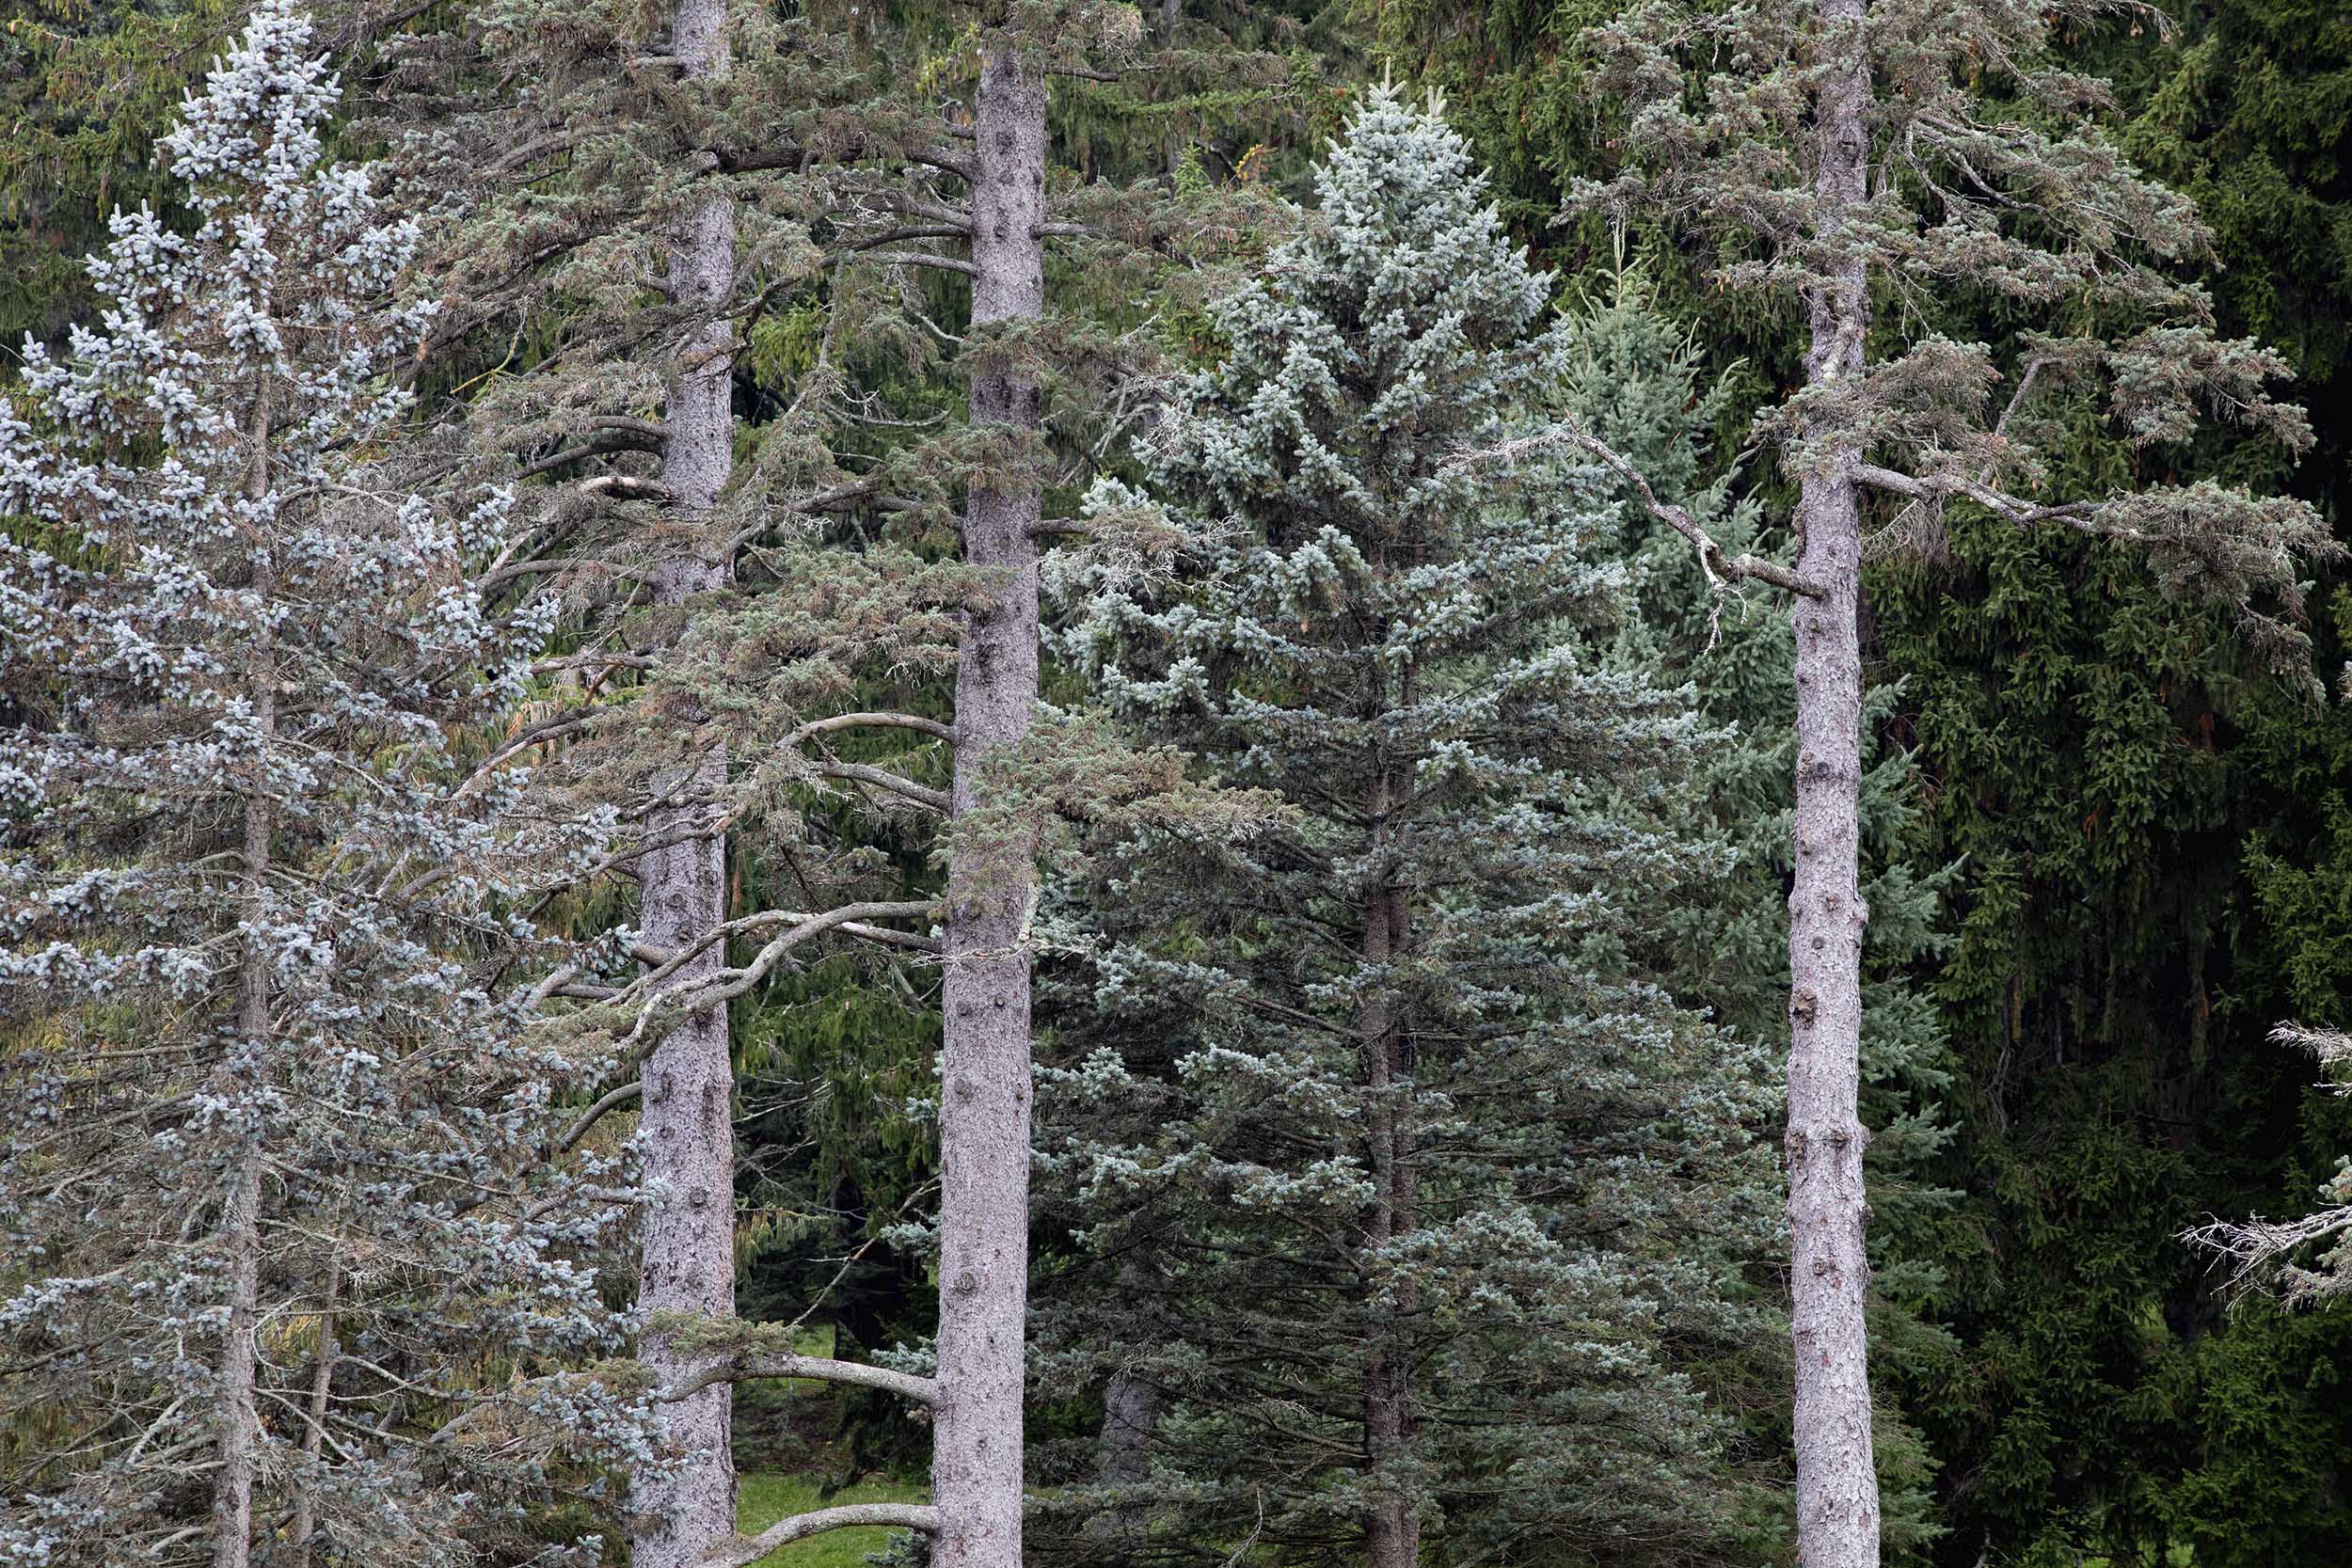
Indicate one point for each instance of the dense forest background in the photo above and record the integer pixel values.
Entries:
(2138, 841)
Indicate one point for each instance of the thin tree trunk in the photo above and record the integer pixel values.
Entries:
(1131, 1416)
(240, 1422)
(321, 1384)
(241, 1209)
(1130, 1405)
(687, 1263)
(1838, 1506)
(984, 1116)
(1392, 1523)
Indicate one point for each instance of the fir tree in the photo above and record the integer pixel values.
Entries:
(1874, 161)
(280, 1219)
(852, 171)
(1410, 1189)
(1635, 382)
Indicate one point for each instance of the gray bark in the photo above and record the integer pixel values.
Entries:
(984, 1116)
(688, 1260)
(1131, 1414)
(314, 1432)
(240, 1422)
(1392, 1524)
(1838, 1503)
(1131, 1420)
(241, 1205)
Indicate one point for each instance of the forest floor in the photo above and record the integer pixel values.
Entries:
(786, 1453)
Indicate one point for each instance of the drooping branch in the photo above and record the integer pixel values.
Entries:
(1721, 567)
(2256, 1248)
(883, 778)
(2259, 1250)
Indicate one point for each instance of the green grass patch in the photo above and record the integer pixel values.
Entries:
(762, 1499)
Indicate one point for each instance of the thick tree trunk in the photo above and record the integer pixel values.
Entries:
(1838, 1506)
(984, 1115)
(687, 1263)
(1392, 1523)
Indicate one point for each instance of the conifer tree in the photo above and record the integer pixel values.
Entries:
(1635, 382)
(853, 176)
(1876, 160)
(280, 1224)
(1409, 1189)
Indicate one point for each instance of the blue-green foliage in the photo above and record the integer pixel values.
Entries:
(267, 978)
(1636, 381)
(1387, 1087)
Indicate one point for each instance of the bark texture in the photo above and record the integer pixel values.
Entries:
(241, 1204)
(984, 1118)
(1838, 1502)
(1392, 1523)
(314, 1418)
(233, 1488)
(687, 1263)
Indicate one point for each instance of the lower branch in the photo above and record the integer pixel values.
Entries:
(744, 1550)
(746, 1365)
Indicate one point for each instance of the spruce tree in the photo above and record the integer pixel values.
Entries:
(858, 174)
(280, 1223)
(1875, 161)
(1410, 1193)
(1636, 381)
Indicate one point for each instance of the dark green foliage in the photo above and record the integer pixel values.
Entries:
(2099, 767)
(86, 89)
(2101, 759)
(1636, 381)
(2248, 109)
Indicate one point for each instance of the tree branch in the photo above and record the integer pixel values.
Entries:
(628, 487)
(742, 1551)
(870, 720)
(2076, 515)
(746, 1365)
(915, 231)
(1720, 567)
(597, 1113)
(923, 258)
(881, 778)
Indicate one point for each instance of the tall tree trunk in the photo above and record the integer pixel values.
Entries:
(1392, 1523)
(1838, 1506)
(984, 1116)
(688, 1261)
(240, 1421)
(241, 1208)
(1131, 1421)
